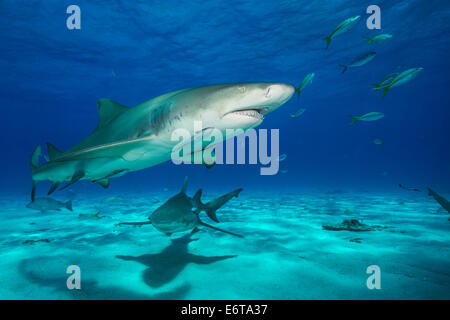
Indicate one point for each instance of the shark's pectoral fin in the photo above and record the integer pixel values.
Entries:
(76, 177)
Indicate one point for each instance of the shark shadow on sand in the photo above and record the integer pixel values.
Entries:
(163, 267)
(49, 272)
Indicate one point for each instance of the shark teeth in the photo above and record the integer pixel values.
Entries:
(250, 113)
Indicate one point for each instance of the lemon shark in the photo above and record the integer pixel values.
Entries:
(129, 139)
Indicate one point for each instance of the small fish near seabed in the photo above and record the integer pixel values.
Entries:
(181, 213)
(48, 204)
(342, 27)
(35, 241)
(379, 142)
(440, 199)
(408, 188)
(298, 113)
(113, 198)
(401, 78)
(90, 215)
(360, 61)
(379, 38)
(371, 116)
(306, 80)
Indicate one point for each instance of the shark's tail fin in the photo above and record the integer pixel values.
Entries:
(212, 206)
(343, 66)
(328, 40)
(69, 205)
(34, 165)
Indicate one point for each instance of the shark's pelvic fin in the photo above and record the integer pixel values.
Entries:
(76, 177)
(53, 153)
(108, 110)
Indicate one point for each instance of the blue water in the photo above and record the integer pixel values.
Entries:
(51, 78)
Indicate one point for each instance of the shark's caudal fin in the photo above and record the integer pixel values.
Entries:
(328, 40)
(69, 205)
(211, 207)
(343, 66)
(218, 229)
(354, 119)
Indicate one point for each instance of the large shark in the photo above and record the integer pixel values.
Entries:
(129, 139)
(181, 213)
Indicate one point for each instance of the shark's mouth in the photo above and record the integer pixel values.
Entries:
(256, 113)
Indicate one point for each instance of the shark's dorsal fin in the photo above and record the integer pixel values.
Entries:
(183, 190)
(109, 110)
(53, 153)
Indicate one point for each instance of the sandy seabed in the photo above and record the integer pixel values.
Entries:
(285, 253)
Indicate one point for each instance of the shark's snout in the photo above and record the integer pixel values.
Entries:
(279, 92)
